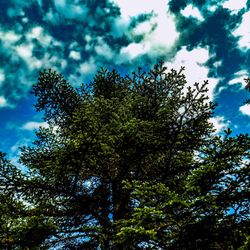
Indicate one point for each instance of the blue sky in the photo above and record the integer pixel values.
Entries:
(75, 37)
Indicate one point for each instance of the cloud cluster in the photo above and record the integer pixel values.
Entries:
(243, 32)
(77, 38)
(3, 102)
(239, 78)
(26, 54)
(156, 34)
(192, 11)
(234, 6)
(245, 109)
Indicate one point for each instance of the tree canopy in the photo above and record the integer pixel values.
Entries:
(127, 162)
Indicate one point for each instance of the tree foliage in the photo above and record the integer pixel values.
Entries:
(19, 228)
(128, 162)
(212, 212)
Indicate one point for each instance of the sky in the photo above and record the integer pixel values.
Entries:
(211, 38)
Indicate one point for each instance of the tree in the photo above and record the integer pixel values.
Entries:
(212, 212)
(19, 229)
(130, 163)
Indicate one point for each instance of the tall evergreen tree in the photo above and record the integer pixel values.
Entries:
(130, 163)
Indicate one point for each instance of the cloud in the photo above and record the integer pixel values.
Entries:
(34, 125)
(26, 52)
(3, 102)
(134, 50)
(37, 40)
(219, 123)
(195, 67)
(245, 109)
(76, 55)
(191, 11)
(103, 49)
(155, 41)
(234, 6)
(41, 38)
(243, 32)
(88, 67)
(38, 33)
(71, 9)
(9, 36)
(2, 76)
(239, 78)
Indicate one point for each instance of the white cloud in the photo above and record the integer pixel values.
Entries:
(2, 76)
(3, 102)
(234, 5)
(212, 8)
(88, 67)
(134, 49)
(25, 19)
(195, 69)
(245, 109)
(217, 64)
(12, 36)
(243, 32)
(239, 78)
(39, 34)
(71, 10)
(87, 38)
(219, 123)
(159, 31)
(133, 8)
(143, 28)
(75, 55)
(34, 125)
(103, 49)
(35, 32)
(9, 36)
(191, 11)
(25, 51)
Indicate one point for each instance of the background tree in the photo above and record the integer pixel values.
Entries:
(212, 212)
(20, 228)
(147, 131)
